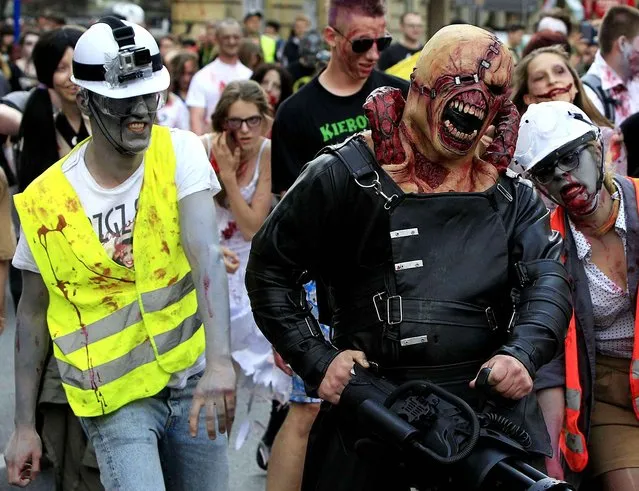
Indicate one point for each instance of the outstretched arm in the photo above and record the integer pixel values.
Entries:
(31, 346)
(198, 232)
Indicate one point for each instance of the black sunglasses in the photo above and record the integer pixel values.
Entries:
(362, 45)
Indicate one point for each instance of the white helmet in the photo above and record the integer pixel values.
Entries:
(130, 11)
(548, 128)
(118, 59)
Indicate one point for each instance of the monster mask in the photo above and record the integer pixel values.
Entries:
(459, 87)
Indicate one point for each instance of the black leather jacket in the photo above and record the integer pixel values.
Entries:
(330, 229)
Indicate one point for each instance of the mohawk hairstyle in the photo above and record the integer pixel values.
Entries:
(373, 8)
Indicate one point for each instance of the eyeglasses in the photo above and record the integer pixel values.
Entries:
(124, 107)
(568, 162)
(362, 45)
(236, 123)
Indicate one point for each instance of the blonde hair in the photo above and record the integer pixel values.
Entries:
(520, 85)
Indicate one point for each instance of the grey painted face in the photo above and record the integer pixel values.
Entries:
(131, 131)
(573, 182)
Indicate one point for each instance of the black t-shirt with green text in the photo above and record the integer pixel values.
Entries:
(313, 118)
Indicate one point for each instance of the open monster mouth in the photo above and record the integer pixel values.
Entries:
(462, 120)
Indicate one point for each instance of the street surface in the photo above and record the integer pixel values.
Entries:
(245, 474)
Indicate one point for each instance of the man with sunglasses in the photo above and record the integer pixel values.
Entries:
(123, 270)
(328, 109)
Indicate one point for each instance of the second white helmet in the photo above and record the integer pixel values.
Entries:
(118, 59)
(547, 127)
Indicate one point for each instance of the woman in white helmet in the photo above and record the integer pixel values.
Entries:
(135, 298)
(590, 395)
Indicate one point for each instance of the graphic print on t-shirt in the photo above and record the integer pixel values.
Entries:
(115, 231)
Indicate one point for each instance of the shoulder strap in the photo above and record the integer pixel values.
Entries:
(594, 82)
(355, 154)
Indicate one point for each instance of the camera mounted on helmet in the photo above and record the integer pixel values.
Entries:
(118, 59)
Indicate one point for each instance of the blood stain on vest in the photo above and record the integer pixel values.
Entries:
(110, 303)
(62, 286)
(72, 205)
(165, 247)
(159, 273)
(173, 280)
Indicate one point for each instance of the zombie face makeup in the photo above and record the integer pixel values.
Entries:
(126, 123)
(630, 53)
(272, 84)
(574, 179)
(549, 79)
(354, 35)
(459, 86)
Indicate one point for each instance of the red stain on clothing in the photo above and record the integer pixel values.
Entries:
(165, 247)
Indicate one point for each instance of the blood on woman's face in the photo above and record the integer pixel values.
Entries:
(549, 79)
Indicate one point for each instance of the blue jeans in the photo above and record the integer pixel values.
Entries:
(146, 445)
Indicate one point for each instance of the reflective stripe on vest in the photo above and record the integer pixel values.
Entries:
(572, 441)
(118, 333)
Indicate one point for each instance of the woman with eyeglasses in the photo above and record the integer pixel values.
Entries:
(590, 394)
(241, 157)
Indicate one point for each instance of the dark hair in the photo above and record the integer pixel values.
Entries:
(618, 21)
(543, 39)
(50, 49)
(371, 8)
(515, 28)
(37, 129)
(286, 80)
(520, 85)
(176, 66)
(274, 24)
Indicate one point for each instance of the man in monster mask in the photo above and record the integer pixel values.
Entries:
(135, 298)
(421, 244)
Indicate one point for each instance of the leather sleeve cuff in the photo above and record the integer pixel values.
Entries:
(315, 374)
(520, 354)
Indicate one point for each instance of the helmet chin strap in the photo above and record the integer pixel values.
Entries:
(98, 119)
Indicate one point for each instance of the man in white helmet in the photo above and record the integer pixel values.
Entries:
(135, 297)
(589, 394)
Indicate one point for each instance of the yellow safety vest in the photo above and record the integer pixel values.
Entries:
(118, 333)
(404, 68)
(269, 46)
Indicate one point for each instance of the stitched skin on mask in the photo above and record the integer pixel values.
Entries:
(459, 88)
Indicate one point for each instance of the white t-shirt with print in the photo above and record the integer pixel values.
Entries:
(208, 84)
(112, 211)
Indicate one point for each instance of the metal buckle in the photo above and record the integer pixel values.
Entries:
(387, 320)
(492, 320)
(376, 185)
(388, 310)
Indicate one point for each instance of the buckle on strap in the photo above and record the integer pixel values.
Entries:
(394, 305)
(492, 320)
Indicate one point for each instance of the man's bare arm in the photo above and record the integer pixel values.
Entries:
(10, 120)
(199, 234)
(31, 345)
(24, 450)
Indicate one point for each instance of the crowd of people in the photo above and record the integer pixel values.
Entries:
(258, 270)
